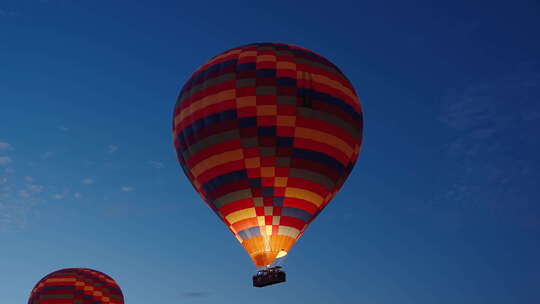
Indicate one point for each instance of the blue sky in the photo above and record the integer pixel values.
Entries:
(442, 206)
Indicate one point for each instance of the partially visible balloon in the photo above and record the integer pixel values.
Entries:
(267, 133)
(76, 286)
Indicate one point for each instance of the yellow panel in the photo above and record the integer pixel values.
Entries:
(51, 280)
(260, 220)
(267, 110)
(205, 102)
(216, 160)
(333, 84)
(248, 54)
(305, 195)
(286, 121)
(253, 162)
(246, 101)
(261, 58)
(326, 81)
(268, 171)
(105, 299)
(280, 181)
(275, 220)
(268, 230)
(97, 293)
(285, 65)
(241, 215)
(325, 138)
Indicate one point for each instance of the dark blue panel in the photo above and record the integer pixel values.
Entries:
(286, 81)
(268, 191)
(318, 157)
(246, 122)
(224, 179)
(211, 69)
(315, 95)
(255, 182)
(51, 288)
(208, 121)
(296, 213)
(246, 66)
(266, 73)
(266, 131)
(278, 201)
(249, 233)
(285, 141)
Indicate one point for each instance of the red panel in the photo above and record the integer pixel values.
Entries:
(246, 111)
(246, 91)
(300, 204)
(266, 121)
(266, 100)
(251, 152)
(292, 222)
(235, 206)
(206, 111)
(220, 170)
(308, 185)
(326, 127)
(323, 148)
(213, 150)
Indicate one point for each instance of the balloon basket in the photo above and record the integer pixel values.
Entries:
(269, 276)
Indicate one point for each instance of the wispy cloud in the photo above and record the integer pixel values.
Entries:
(4, 146)
(6, 13)
(5, 160)
(59, 196)
(35, 188)
(47, 154)
(195, 294)
(18, 197)
(87, 181)
(127, 188)
(112, 149)
(495, 144)
(156, 164)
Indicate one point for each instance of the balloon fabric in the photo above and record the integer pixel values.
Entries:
(267, 133)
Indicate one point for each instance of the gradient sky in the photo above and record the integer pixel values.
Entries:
(442, 207)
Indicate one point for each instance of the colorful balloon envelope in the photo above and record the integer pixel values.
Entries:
(267, 133)
(76, 286)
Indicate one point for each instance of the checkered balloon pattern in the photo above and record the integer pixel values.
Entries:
(76, 286)
(267, 133)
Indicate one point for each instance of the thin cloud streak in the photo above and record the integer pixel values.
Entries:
(156, 164)
(111, 149)
(494, 145)
(88, 181)
(4, 146)
(5, 160)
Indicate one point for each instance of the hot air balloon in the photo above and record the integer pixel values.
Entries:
(76, 286)
(267, 133)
